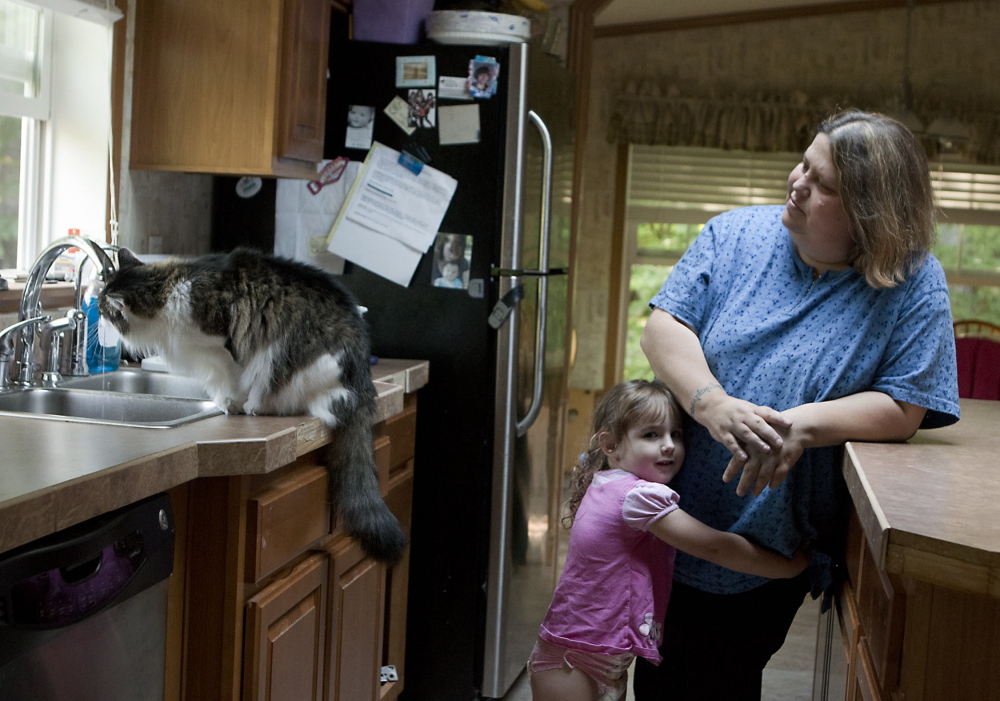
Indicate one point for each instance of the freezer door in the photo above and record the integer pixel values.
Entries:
(531, 379)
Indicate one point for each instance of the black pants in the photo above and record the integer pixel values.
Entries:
(715, 646)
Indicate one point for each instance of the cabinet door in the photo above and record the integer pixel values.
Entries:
(285, 636)
(302, 107)
(357, 593)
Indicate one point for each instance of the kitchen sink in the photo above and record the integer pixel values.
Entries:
(135, 381)
(112, 408)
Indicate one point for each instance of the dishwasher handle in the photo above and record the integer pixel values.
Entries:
(71, 575)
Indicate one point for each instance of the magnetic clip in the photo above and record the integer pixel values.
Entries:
(410, 163)
(330, 174)
(505, 305)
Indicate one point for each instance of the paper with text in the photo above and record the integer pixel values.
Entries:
(392, 215)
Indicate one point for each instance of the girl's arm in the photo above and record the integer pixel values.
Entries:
(732, 551)
(675, 354)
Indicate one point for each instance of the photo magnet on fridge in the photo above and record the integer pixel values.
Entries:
(452, 259)
(483, 72)
(360, 125)
(416, 71)
(422, 109)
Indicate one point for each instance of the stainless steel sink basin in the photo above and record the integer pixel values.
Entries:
(135, 381)
(108, 408)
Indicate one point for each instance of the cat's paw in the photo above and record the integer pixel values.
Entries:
(228, 405)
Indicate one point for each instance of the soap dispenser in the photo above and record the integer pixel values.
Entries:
(104, 346)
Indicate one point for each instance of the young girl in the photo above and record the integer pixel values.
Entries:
(611, 599)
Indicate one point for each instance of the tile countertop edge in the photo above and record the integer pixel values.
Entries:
(64, 503)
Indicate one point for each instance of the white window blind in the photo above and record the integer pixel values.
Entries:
(966, 187)
(681, 184)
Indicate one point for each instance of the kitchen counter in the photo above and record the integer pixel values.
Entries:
(929, 507)
(55, 474)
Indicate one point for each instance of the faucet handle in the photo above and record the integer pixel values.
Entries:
(7, 337)
(53, 348)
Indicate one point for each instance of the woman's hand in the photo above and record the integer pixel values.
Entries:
(767, 468)
(865, 416)
(739, 425)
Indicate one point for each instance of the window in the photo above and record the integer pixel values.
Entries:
(55, 112)
(672, 192)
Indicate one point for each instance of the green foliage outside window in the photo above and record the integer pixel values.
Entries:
(10, 178)
(645, 282)
(970, 249)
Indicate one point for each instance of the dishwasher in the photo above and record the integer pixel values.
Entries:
(83, 612)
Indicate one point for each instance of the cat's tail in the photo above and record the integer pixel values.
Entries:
(355, 490)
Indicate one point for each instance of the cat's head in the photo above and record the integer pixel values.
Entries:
(134, 291)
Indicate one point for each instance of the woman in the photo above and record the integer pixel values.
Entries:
(785, 331)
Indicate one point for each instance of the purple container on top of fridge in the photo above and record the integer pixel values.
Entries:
(392, 21)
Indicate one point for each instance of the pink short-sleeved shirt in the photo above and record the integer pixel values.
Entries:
(612, 595)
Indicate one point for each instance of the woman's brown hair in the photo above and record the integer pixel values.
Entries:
(886, 190)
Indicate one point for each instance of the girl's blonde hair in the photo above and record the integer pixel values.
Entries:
(624, 406)
(886, 189)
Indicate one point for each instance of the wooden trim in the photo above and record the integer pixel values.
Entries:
(581, 19)
(618, 285)
(705, 21)
(119, 38)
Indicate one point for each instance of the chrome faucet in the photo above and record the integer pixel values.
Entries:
(30, 318)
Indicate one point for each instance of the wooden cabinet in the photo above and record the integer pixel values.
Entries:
(358, 593)
(272, 600)
(285, 641)
(231, 86)
(905, 639)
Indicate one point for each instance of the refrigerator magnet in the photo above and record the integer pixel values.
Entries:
(415, 71)
(483, 72)
(360, 124)
(453, 87)
(452, 259)
(399, 112)
(458, 124)
(422, 109)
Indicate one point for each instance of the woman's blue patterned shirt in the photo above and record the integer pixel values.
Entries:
(776, 337)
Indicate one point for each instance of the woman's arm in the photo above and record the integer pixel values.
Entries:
(732, 551)
(865, 416)
(676, 356)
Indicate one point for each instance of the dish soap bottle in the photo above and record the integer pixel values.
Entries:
(104, 344)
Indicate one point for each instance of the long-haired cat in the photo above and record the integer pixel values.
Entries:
(267, 335)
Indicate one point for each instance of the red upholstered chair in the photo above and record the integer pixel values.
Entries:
(977, 345)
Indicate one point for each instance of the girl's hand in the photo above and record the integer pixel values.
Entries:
(738, 424)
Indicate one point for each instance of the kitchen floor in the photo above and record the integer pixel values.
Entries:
(788, 676)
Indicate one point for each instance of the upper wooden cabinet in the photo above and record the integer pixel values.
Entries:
(233, 87)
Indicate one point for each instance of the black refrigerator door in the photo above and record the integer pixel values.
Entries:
(452, 478)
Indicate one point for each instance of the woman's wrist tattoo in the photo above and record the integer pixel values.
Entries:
(701, 393)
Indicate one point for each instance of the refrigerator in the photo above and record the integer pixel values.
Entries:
(488, 467)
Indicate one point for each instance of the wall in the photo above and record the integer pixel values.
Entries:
(78, 132)
(954, 55)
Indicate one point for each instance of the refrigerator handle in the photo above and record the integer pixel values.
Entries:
(543, 283)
